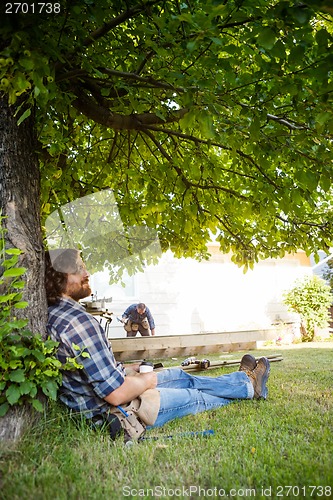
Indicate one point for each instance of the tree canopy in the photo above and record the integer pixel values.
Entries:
(203, 117)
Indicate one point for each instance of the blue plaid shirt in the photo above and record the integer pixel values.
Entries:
(84, 390)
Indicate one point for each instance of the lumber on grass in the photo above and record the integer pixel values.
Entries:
(219, 364)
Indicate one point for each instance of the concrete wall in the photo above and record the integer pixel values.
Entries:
(186, 296)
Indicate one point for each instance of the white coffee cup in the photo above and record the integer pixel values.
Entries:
(146, 367)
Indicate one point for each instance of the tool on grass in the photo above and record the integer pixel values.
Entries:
(220, 364)
(203, 364)
(205, 433)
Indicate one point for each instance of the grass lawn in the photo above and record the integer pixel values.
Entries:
(279, 448)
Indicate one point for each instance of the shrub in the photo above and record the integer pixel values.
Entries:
(28, 364)
(310, 298)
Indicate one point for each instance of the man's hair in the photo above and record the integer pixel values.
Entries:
(141, 305)
(58, 264)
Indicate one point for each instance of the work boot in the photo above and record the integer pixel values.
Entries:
(248, 363)
(259, 377)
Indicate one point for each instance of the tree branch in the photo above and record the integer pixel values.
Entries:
(188, 183)
(150, 81)
(149, 121)
(218, 145)
(287, 123)
(99, 114)
(124, 16)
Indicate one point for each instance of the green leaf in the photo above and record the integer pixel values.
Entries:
(321, 118)
(50, 373)
(15, 363)
(13, 251)
(17, 376)
(254, 129)
(38, 355)
(21, 305)
(3, 409)
(267, 38)
(8, 297)
(25, 115)
(18, 323)
(50, 344)
(26, 62)
(191, 46)
(188, 226)
(16, 271)
(37, 405)
(26, 387)
(19, 285)
(13, 394)
(50, 389)
(33, 391)
(302, 15)
(279, 50)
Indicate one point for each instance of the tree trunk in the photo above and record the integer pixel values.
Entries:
(19, 202)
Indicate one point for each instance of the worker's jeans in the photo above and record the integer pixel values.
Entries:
(184, 394)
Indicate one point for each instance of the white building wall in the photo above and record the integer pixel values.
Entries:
(186, 296)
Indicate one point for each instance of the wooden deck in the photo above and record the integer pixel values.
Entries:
(162, 347)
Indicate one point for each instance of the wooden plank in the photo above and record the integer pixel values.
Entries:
(131, 348)
(183, 352)
(142, 350)
(177, 341)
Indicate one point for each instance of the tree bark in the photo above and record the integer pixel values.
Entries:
(20, 203)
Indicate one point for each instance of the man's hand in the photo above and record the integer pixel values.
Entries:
(131, 388)
(134, 366)
(151, 378)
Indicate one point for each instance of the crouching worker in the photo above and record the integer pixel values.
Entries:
(103, 390)
(138, 317)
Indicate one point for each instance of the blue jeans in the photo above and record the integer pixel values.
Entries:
(184, 394)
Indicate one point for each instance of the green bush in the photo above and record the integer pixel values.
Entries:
(28, 364)
(311, 298)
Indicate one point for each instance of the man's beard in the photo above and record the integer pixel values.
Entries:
(80, 292)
